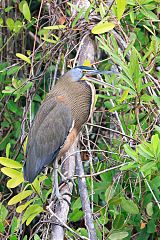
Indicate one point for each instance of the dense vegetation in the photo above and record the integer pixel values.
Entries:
(39, 40)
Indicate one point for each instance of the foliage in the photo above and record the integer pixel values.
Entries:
(125, 194)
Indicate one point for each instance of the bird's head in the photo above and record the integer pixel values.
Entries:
(78, 72)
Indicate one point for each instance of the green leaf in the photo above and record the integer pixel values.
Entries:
(2, 228)
(129, 166)
(88, 11)
(9, 163)
(36, 237)
(13, 238)
(1, 21)
(130, 152)
(13, 70)
(76, 215)
(8, 89)
(19, 197)
(31, 212)
(10, 23)
(129, 206)
(145, 151)
(151, 227)
(17, 26)
(115, 201)
(14, 182)
(109, 193)
(119, 221)
(11, 172)
(149, 209)
(156, 99)
(8, 150)
(148, 167)
(14, 226)
(155, 143)
(55, 27)
(3, 213)
(24, 8)
(36, 186)
(103, 27)
(124, 96)
(22, 207)
(118, 235)
(78, 17)
(121, 4)
(77, 204)
(23, 57)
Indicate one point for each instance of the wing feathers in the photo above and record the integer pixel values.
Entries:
(48, 133)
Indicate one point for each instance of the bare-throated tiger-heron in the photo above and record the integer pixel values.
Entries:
(67, 107)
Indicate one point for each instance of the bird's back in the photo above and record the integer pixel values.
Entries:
(78, 96)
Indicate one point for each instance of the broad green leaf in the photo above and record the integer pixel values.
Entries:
(17, 26)
(23, 57)
(118, 235)
(109, 193)
(2, 228)
(22, 207)
(55, 27)
(77, 204)
(155, 143)
(151, 226)
(3, 213)
(131, 153)
(31, 212)
(103, 27)
(11, 172)
(121, 4)
(157, 100)
(144, 151)
(119, 221)
(76, 215)
(129, 166)
(115, 201)
(36, 237)
(13, 70)
(148, 167)
(19, 197)
(15, 224)
(24, 8)
(129, 206)
(26, 11)
(157, 128)
(14, 182)
(10, 23)
(149, 209)
(8, 89)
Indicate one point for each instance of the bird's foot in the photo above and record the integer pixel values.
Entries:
(59, 198)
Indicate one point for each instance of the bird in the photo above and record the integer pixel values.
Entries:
(66, 108)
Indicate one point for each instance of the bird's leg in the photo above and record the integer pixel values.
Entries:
(56, 188)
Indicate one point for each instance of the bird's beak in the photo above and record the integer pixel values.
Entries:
(89, 71)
